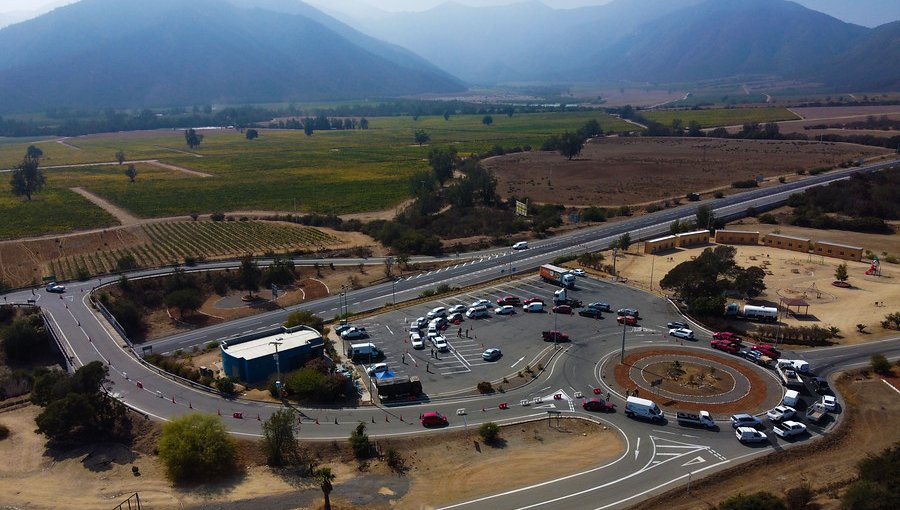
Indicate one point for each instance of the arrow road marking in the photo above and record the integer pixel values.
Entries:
(637, 448)
(517, 362)
(545, 406)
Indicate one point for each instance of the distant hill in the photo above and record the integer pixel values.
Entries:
(871, 65)
(127, 53)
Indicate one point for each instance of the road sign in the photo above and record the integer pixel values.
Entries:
(521, 208)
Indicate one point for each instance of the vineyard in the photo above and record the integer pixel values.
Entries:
(181, 241)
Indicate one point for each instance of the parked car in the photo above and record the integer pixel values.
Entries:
(554, 335)
(600, 305)
(456, 318)
(377, 368)
(598, 404)
(533, 307)
(745, 420)
(509, 300)
(682, 333)
(750, 435)
(593, 313)
(491, 354)
(789, 429)
(821, 386)
(628, 320)
(354, 333)
(56, 287)
(458, 309)
(725, 345)
(564, 309)
(767, 349)
(340, 328)
(751, 355)
(417, 342)
(480, 302)
(579, 272)
(528, 301)
(440, 343)
(779, 413)
(830, 402)
(433, 419)
(726, 335)
(628, 311)
(505, 310)
(677, 325)
(437, 312)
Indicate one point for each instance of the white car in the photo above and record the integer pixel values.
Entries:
(421, 322)
(440, 343)
(578, 272)
(377, 368)
(57, 288)
(437, 312)
(750, 435)
(505, 310)
(480, 302)
(521, 245)
(354, 334)
(458, 309)
(417, 342)
(780, 413)
(830, 402)
(682, 333)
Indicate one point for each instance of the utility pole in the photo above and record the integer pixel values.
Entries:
(622, 356)
(277, 367)
(652, 261)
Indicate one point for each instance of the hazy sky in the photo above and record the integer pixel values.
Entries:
(862, 12)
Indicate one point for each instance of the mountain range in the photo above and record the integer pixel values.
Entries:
(134, 53)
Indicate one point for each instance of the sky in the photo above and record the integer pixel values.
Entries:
(868, 13)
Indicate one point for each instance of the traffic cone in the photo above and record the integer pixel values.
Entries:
(482, 410)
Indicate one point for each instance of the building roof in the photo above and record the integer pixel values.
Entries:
(695, 232)
(782, 236)
(829, 243)
(658, 239)
(262, 347)
(726, 231)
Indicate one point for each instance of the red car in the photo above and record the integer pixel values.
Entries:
(767, 350)
(554, 335)
(533, 300)
(725, 345)
(629, 320)
(598, 404)
(433, 419)
(726, 335)
(509, 300)
(566, 309)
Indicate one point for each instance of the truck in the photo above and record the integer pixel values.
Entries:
(789, 429)
(816, 412)
(557, 275)
(401, 386)
(561, 297)
(760, 313)
(702, 419)
(364, 352)
(788, 375)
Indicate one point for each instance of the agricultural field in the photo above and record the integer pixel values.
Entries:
(330, 172)
(56, 209)
(177, 241)
(722, 116)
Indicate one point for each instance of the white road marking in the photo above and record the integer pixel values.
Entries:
(517, 362)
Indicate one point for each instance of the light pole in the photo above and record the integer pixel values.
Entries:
(393, 295)
(622, 357)
(652, 261)
(277, 366)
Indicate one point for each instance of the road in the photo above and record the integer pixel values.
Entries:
(656, 457)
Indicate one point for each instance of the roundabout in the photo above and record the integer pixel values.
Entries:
(691, 379)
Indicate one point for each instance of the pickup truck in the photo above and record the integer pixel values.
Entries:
(554, 335)
(788, 376)
(816, 412)
(702, 419)
(789, 429)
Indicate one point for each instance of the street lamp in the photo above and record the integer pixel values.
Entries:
(624, 324)
(393, 295)
(277, 366)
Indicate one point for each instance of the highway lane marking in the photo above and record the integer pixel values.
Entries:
(66, 338)
(637, 448)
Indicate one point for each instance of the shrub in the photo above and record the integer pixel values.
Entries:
(225, 385)
(749, 183)
(489, 432)
(359, 441)
(395, 461)
(768, 219)
(485, 387)
(562, 259)
(196, 447)
(880, 364)
(782, 179)
(4, 432)
(718, 194)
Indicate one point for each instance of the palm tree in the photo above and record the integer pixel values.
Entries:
(324, 476)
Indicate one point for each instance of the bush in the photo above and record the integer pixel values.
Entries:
(304, 318)
(395, 461)
(758, 501)
(485, 387)
(217, 216)
(489, 432)
(749, 183)
(768, 219)
(225, 385)
(562, 259)
(196, 447)
(880, 364)
(4, 432)
(359, 441)
(782, 179)
(718, 194)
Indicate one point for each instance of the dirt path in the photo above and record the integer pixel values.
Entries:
(189, 153)
(156, 162)
(67, 144)
(124, 217)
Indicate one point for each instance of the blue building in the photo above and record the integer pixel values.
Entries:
(252, 358)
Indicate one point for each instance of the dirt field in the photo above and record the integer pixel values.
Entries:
(442, 468)
(827, 465)
(797, 275)
(616, 171)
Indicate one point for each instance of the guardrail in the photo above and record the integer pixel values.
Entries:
(67, 358)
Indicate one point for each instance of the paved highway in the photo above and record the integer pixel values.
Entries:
(656, 458)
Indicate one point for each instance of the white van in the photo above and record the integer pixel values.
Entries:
(534, 306)
(437, 312)
(637, 407)
(791, 397)
(477, 312)
(521, 245)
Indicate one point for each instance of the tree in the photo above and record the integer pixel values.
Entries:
(251, 134)
(304, 318)
(24, 339)
(359, 441)
(758, 501)
(325, 478)
(705, 217)
(77, 406)
(27, 179)
(750, 281)
(363, 123)
(487, 120)
(196, 447)
(624, 241)
(279, 442)
(120, 156)
(192, 138)
(840, 274)
(489, 432)
(388, 267)
(131, 173)
(590, 129)
(880, 364)
(34, 152)
(308, 126)
(442, 162)
(570, 145)
(248, 275)
(185, 300)
(422, 137)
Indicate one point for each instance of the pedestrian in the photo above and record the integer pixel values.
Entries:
(608, 395)
(459, 333)
(427, 366)
(432, 352)
(467, 332)
(627, 394)
(635, 392)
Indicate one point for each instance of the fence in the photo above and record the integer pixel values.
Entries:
(132, 503)
(68, 359)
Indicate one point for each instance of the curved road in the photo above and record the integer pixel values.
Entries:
(656, 457)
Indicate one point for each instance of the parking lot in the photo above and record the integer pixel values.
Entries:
(518, 336)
